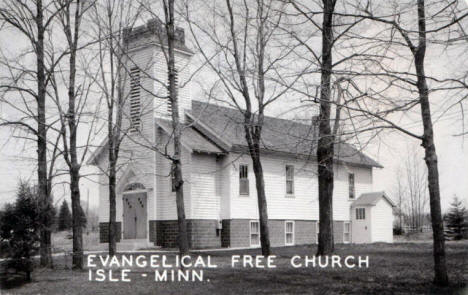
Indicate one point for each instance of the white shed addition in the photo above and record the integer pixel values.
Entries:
(372, 218)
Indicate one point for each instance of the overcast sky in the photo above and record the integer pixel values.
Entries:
(390, 150)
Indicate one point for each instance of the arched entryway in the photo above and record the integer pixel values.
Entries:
(135, 211)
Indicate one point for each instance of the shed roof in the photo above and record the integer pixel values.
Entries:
(371, 199)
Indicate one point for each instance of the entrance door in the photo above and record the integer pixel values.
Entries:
(134, 215)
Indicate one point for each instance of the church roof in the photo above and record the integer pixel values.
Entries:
(224, 126)
(217, 129)
(191, 138)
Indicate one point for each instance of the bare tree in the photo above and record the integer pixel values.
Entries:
(333, 79)
(176, 124)
(412, 34)
(34, 22)
(109, 20)
(73, 114)
(412, 190)
(242, 47)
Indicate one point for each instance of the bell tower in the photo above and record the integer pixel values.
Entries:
(147, 77)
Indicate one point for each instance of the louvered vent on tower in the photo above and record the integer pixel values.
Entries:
(135, 99)
(169, 101)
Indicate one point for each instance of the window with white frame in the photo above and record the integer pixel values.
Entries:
(289, 233)
(289, 179)
(361, 213)
(243, 179)
(135, 99)
(351, 185)
(254, 233)
(347, 232)
(317, 230)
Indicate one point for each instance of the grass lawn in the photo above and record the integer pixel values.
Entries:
(404, 268)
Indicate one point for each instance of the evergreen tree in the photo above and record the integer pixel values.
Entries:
(20, 226)
(65, 217)
(456, 219)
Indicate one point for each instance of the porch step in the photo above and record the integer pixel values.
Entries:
(134, 244)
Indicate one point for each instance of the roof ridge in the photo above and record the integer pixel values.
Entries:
(314, 118)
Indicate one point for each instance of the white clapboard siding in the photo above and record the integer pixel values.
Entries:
(341, 201)
(133, 155)
(242, 206)
(303, 204)
(103, 199)
(382, 222)
(166, 208)
(225, 170)
(205, 196)
(161, 105)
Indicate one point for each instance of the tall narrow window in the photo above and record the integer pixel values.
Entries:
(254, 233)
(244, 180)
(289, 179)
(289, 233)
(361, 213)
(135, 101)
(347, 232)
(351, 185)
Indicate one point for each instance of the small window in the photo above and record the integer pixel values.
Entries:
(360, 213)
(289, 233)
(289, 179)
(244, 180)
(135, 100)
(347, 232)
(254, 233)
(351, 185)
(317, 230)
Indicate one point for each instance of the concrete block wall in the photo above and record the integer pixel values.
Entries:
(305, 232)
(201, 233)
(338, 228)
(235, 233)
(166, 233)
(239, 233)
(104, 232)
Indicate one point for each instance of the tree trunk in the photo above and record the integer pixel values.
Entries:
(77, 213)
(112, 202)
(74, 166)
(176, 126)
(45, 241)
(440, 268)
(262, 204)
(325, 148)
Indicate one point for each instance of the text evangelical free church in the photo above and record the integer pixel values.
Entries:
(219, 183)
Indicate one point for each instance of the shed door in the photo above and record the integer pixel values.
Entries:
(361, 225)
(134, 215)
